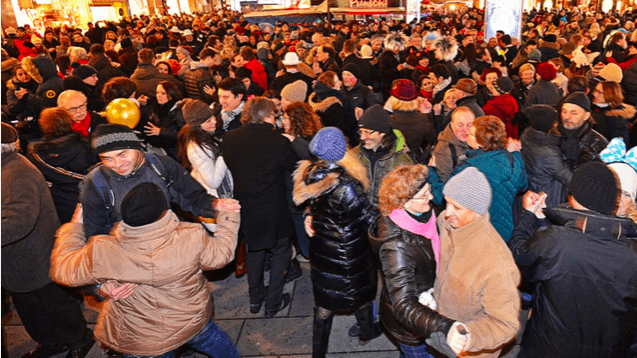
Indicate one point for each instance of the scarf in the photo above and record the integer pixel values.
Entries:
(162, 110)
(83, 127)
(229, 116)
(442, 85)
(570, 144)
(428, 229)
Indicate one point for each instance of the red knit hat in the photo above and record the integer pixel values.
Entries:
(546, 71)
(405, 91)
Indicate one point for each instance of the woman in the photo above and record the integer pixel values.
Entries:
(166, 120)
(164, 67)
(19, 85)
(183, 55)
(622, 163)
(408, 247)
(442, 111)
(327, 102)
(487, 79)
(343, 270)
(505, 171)
(199, 150)
(503, 105)
(611, 115)
(64, 158)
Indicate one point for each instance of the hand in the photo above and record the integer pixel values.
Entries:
(309, 230)
(400, 67)
(280, 73)
(151, 129)
(289, 136)
(424, 105)
(209, 90)
(534, 202)
(458, 337)
(116, 64)
(317, 68)
(514, 145)
(78, 215)
(143, 99)
(632, 50)
(437, 109)
(358, 112)
(226, 204)
(117, 291)
(432, 161)
(20, 93)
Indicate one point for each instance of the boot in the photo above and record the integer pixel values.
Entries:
(369, 328)
(240, 261)
(321, 331)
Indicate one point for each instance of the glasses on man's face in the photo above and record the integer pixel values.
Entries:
(78, 108)
(365, 132)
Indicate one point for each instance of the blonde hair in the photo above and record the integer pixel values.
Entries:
(403, 106)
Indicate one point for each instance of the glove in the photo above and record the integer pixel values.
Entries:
(427, 299)
(458, 337)
(438, 341)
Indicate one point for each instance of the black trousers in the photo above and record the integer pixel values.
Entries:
(255, 261)
(52, 317)
(323, 326)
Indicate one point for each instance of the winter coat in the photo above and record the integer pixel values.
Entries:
(507, 176)
(94, 99)
(549, 50)
(105, 71)
(343, 270)
(64, 162)
(7, 74)
(196, 79)
(333, 114)
(207, 169)
(409, 269)
(45, 73)
(483, 96)
(546, 168)
(363, 65)
(258, 158)
(446, 162)
(543, 92)
(147, 77)
(166, 259)
(20, 107)
(285, 79)
(418, 128)
(629, 84)
(259, 76)
(584, 271)
(360, 96)
(504, 107)
(472, 104)
(128, 59)
(29, 222)
(520, 91)
(170, 119)
(613, 122)
(330, 65)
(477, 284)
(590, 144)
(388, 65)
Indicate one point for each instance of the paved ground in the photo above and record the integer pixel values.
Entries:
(289, 334)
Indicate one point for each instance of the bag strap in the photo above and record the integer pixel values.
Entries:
(58, 170)
(454, 154)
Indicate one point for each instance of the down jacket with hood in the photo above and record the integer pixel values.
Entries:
(629, 84)
(166, 259)
(343, 269)
(43, 70)
(328, 103)
(613, 122)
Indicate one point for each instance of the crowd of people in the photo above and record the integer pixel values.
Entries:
(463, 177)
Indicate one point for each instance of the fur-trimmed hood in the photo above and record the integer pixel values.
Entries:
(551, 45)
(313, 179)
(625, 112)
(446, 48)
(323, 105)
(56, 143)
(40, 68)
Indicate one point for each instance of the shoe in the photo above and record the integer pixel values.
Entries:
(378, 331)
(241, 266)
(256, 307)
(114, 354)
(285, 301)
(44, 352)
(294, 271)
(354, 331)
(82, 351)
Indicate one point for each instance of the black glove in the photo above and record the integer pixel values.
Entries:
(438, 341)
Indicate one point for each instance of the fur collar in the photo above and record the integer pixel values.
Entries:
(304, 191)
(56, 143)
(626, 112)
(324, 104)
(551, 45)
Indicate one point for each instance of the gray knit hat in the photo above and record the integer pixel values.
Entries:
(329, 144)
(195, 112)
(111, 136)
(471, 189)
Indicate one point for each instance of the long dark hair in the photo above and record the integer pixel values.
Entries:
(201, 138)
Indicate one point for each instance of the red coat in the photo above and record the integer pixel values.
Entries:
(504, 107)
(259, 76)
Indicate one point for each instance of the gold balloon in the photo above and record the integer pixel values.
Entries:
(123, 111)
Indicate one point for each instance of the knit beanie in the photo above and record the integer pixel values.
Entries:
(375, 118)
(580, 99)
(143, 204)
(242, 72)
(503, 85)
(126, 43)
(195, 112)
(353, 69)
(405, 90)
(546, 71)
(366, 52)
(84, 71)
(595, 186)
(542, 117)
(471, 189)
(611, 72)
(535, 55)
(9, 134)
(111, 136)
(295, 91)
(183, 51)
(627, 177)
(329, 144)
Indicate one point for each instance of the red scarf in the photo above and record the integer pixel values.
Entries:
(84, 126)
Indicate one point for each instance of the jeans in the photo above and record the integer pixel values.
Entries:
(407, 351)
(211, 341)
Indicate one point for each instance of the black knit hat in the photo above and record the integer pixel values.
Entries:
(84, 71)
(9, 134)
(111, 136)
(542, 117)
(144, 204)
(126, 42)
(595, 186)
(503, 85)
(580, 99)
(195, 111)
(353, 69)
(376, 119)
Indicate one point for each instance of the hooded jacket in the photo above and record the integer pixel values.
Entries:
(549, 50)
(44, 71)
(629, 84)
(147, 77)
(613, 122)
(328, 103)
(166, 258)
(585, 284)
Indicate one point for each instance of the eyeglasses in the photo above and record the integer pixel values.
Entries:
(365, 132)
(78, 108)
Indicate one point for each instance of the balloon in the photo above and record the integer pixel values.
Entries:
(123, 111)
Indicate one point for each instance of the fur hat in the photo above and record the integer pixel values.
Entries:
(295, 91)
(329, 144)
(595, 186)
(195, 111)
(446, 48)
(546, 71)
(143, 205)
(395, 41)
(611, 72)
(111, 136)
(568, 48)
(471, 189)
(9, 134)
(467, 85)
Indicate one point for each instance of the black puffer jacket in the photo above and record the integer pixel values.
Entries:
(409, 269)
(343, 269)
(43, 70)
(629, 84)
(546, 168)
(170, 119)
(585, 276)
(63, 161)
(613, 122)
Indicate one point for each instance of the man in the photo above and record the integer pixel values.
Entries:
(523, 55)
(291, 73)
(195, 45)
(146, 75)
(259, 158)
(232, 96)
(377, 149)
(198, 80)
(467, 89)
(50, 42)
(477, 278)
(580, 142)
(452, 146)
(165, 258)
(325, 60)
(85, 79)
(105, 70)
(29, 221)
(359, 96)
(441, 79)
(84, 121)
(44, 71)
(124, 166)
(350, 56)
(583, 269)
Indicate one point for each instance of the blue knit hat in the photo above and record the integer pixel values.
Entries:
(329, 144)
